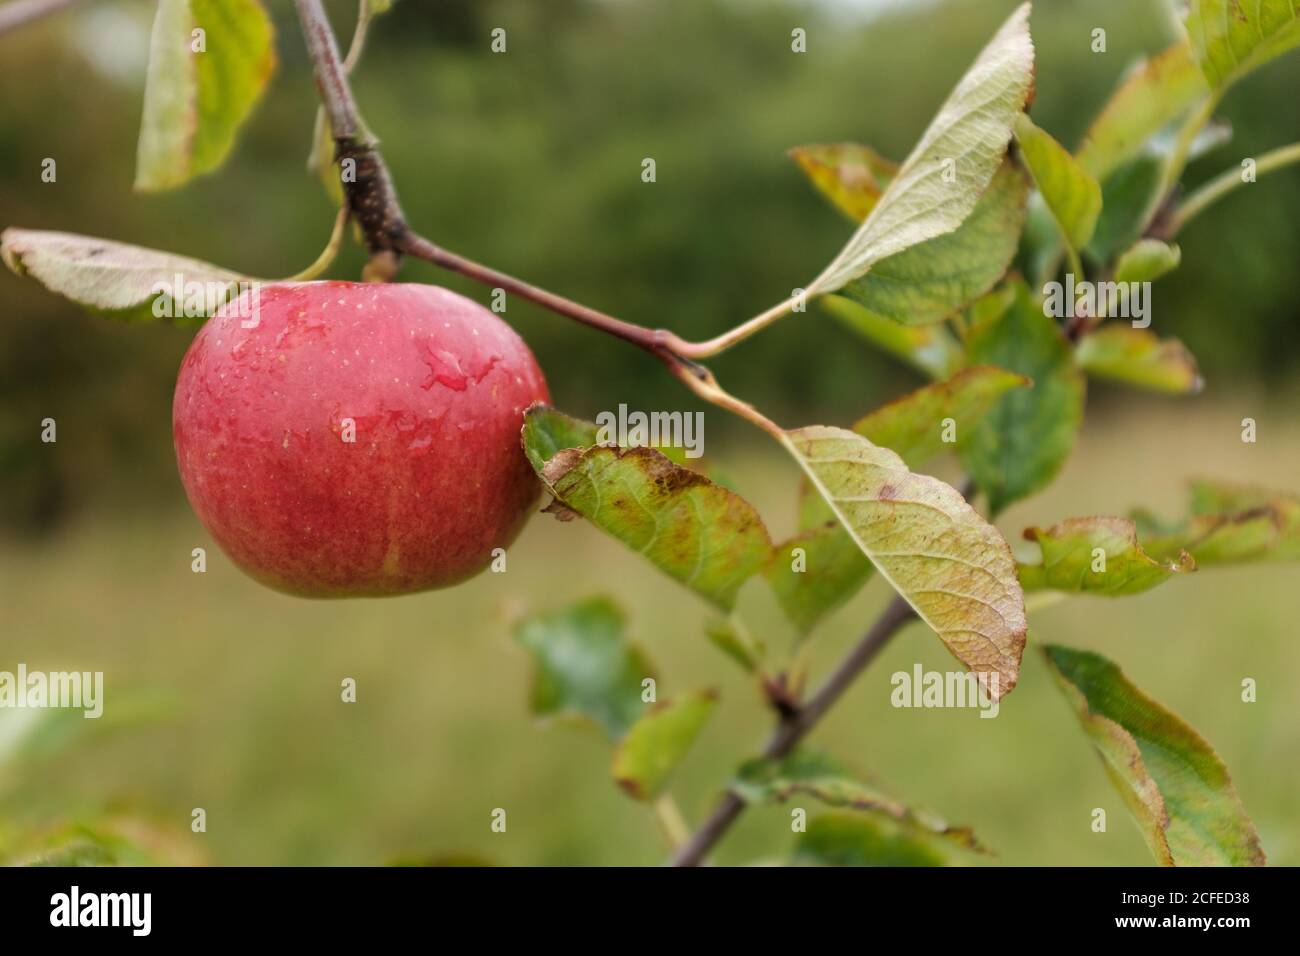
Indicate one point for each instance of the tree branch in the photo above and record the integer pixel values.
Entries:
(372, 201)
(367, 187)
(1226, 182)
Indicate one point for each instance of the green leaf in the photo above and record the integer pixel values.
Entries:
(1021, 444)
(656, 744)
(126, 282)
(852, 177)
(1098, 555)
(1229, 524)
(708, 538)
(1137, 357)
(548, 431)
(730, 637)
(1171, 780)
(846, 839)
(929, 281)
(930, 196)
(1070, 191)
(814, 774)
(1150, 97)
(930, 349)
(1232, 37)
(914, 426)
(196, 100)
(1130, 198)
(1147, 260)
(834, 569)
(1041, 246)
(585, 666)
(950, 565)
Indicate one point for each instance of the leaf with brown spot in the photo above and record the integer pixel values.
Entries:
(1137, 357)
(701, 534)
(951, 566)
(1070, 559)
(1229, 524)
(851, 176)
(913, 427)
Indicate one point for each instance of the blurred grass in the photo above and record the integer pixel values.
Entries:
(440, 735)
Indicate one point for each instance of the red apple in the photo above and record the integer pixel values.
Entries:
(342, 439)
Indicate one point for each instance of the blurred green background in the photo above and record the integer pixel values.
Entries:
(531, 162)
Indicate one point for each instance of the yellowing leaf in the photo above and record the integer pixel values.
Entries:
(950, 167)
(950, 565)
(1150, 97)
(830, 568)
(852, 177)
(1232, 37)
(708, 538)
(1071, 193)
(1230, 524)
(1096, 556)
(1171, 780)
(1137, 357)
(652, 749)
(127, 282)
(930, 281)
(209, 61)
(930, 349)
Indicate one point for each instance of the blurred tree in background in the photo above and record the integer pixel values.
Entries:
(531, 160)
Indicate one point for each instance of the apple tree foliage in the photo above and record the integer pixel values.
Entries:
(944, 271)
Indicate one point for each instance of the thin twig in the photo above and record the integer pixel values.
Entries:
(1226, 182)
(372, 200)
(16, 13)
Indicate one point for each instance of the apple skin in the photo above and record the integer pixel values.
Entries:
(435, 478)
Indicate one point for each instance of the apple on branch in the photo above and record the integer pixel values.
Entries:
(346, 439)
